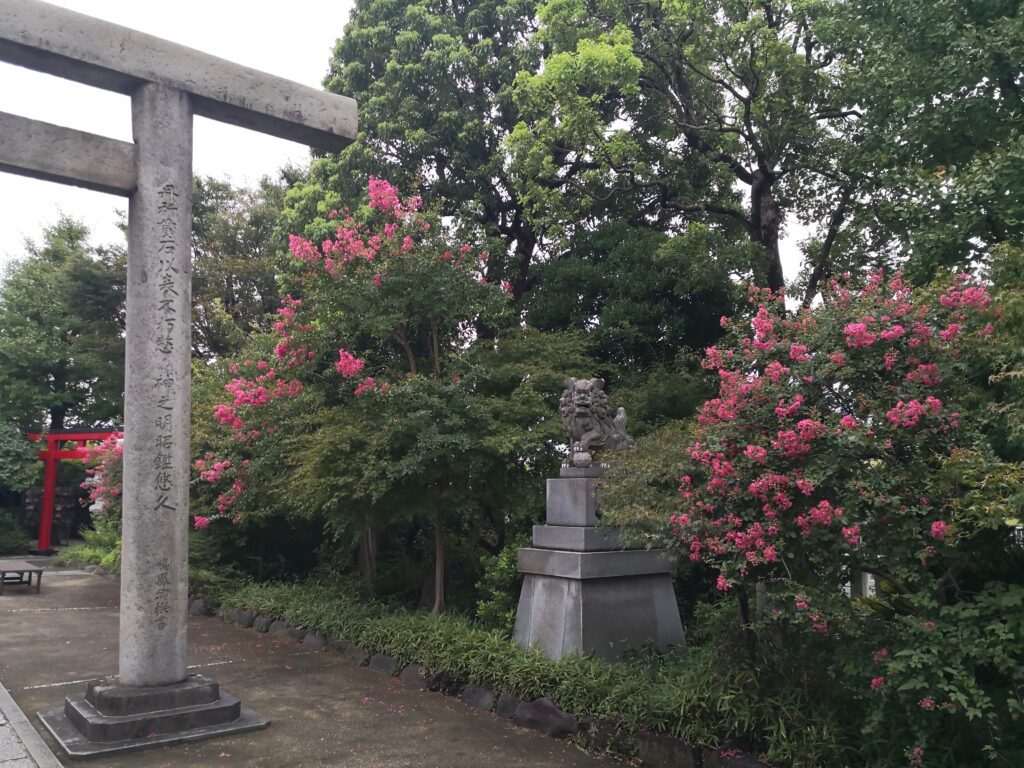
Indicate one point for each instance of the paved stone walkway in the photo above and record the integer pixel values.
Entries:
(20, 745)
(324, 710)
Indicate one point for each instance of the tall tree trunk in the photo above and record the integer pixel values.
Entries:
(526, 245)
(749, 636)
(399, 335)
(58, 414)
(766, 221)
(435, 347)
(368, 560)
(439, 544)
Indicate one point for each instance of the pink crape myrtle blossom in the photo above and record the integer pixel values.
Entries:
(799, 353)
(384, 197)
(303, 250)
(348, 365)
(907, 414)
(950, 331)
(104, 473)
(756, 453)
(824, 432)
(891, 334)
(858, 335)
(368, 384)
(373, 260)
(972, 297)
(927, 374)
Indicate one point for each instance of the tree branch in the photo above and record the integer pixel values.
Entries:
(823, 268)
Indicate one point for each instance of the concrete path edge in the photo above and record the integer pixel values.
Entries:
(37, 749)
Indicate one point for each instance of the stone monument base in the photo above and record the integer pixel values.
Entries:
(602, 607)
(583, 593)
(115, 718)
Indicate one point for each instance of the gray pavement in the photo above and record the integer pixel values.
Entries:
(324, 710)
(20, 745)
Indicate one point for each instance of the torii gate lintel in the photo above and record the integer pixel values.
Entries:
(77, 47)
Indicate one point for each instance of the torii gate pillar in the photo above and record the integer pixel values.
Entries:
(158, 349)
(153, 700)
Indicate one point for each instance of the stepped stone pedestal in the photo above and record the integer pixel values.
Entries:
(582, 593)
(115, 718)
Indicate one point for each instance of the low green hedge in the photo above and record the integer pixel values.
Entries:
(683, 694)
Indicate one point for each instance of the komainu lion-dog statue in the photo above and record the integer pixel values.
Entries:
(584, 410)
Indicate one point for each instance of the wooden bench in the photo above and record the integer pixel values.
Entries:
(19, 572)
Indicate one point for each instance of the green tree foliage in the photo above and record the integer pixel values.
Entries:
(678, 106)
(18, 467)
(938, 147)
(1003, 361)
(435, 83)
(234, 248)
(642, 296)
(647, 303)
(61, 332)
(433, 79)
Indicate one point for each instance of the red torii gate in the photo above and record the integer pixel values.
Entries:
(50, 455)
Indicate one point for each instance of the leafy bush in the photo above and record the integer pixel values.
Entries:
(499, 587)
(100, 546)
(13, 539)
(847, 439)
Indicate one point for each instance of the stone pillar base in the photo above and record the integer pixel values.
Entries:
(116, 718)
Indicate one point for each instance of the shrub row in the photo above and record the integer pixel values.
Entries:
(680, 694)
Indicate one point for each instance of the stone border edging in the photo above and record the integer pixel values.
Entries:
(37, 749)
(99, 570)
(542, 715)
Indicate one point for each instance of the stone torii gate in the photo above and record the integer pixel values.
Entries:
(153, 700)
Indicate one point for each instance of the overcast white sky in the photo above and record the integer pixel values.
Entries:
(292, 40)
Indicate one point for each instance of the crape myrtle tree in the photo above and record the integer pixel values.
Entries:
(376, 396)
(61, 332)
(848, 439)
